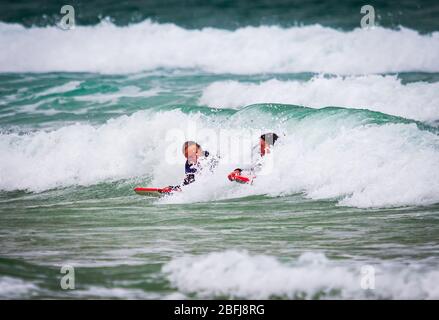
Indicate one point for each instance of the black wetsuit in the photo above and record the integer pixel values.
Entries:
(190, 169)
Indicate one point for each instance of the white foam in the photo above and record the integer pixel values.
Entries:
(107, 48)
(417, 100)
(239, 274)
(13, 288)
(113, 98)
(326, 155)
(338, 158)
(81, 154)
(69, 86)
(370, 166)
(34, 108)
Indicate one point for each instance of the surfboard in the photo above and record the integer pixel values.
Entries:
(154, 192)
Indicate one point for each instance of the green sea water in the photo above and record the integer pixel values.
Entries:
(353, 193)
(120, 242)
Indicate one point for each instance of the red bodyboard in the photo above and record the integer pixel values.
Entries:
(242, 179)
(238, 178)
(154, 192)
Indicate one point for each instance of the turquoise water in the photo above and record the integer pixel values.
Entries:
(345, 14)
(88, 114)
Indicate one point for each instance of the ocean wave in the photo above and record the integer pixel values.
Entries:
(361, 158)
(238, 274)
(79, 154)
(387, 94)
(113, 98)
(69, 86)
(14, 288)
(107, 48)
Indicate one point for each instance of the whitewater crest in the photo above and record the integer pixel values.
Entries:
(387, 94)
(107, 48)
(360, 158)
(238, 274)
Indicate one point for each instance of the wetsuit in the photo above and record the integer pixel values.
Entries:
(191, 169)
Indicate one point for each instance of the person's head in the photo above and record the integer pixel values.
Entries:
(266, 140)
(192, 151)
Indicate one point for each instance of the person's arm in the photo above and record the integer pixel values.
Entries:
(248, 171)
(232, 175)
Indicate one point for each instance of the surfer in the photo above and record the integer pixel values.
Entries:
(196, 160)
(266, 141)
(194, 154)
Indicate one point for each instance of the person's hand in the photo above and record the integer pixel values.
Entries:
(234, 173)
